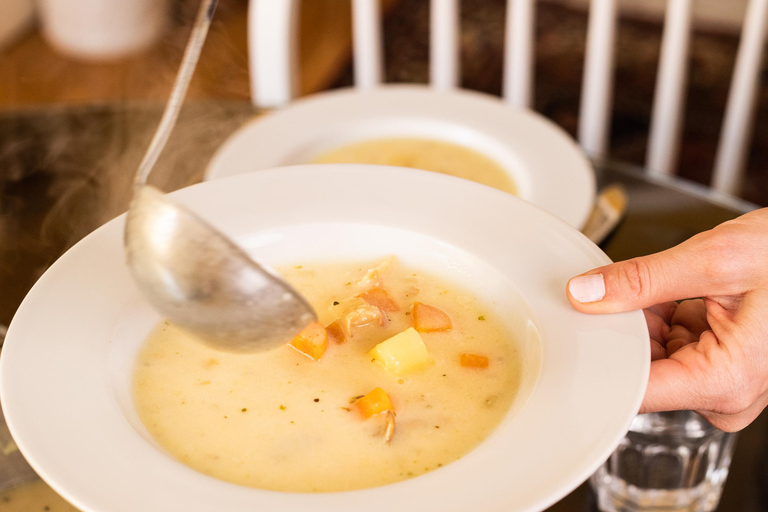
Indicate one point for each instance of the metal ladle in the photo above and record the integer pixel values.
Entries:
(190, 272)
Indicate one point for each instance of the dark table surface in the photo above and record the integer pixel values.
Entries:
(65, 171)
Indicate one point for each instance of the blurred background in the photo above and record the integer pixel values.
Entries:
(44, 63)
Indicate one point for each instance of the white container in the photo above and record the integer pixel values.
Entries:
(102, 29)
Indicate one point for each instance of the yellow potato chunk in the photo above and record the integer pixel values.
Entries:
(403, 353)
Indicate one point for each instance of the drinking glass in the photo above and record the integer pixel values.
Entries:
(667, 462)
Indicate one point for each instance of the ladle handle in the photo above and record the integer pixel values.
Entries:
(179, 91)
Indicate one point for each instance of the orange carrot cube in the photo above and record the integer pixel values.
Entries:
(429, 318)
(380, 298)
(375, 402)
(335, 333)
(312, 341)
(473, 361)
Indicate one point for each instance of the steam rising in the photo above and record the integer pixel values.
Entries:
(66, 171)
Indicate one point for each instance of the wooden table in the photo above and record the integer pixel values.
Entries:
(66, 170)
(32, 72)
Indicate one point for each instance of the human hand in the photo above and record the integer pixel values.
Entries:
(709, 354)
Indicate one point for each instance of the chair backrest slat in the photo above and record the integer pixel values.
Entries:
(273, 51)
(740, 109)
(367, 43)
(666, 129)
(597, 84)
(273, 45)
(519, 52)
(444, 44)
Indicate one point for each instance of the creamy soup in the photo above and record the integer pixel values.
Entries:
(404, 373)
(426, 154)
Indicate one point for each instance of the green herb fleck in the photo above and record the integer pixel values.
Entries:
(481, 317)
(348, 284)
(335, 303)
(355, 398)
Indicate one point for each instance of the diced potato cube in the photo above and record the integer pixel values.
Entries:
(335, 333)
(403, 353)
(375, 402)
(429, 318)
(473, 361)
(312, 341)
(380, 298)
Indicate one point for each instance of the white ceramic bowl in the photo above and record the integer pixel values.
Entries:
(547, 166)
(68, 357)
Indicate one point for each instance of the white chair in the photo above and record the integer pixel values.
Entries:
(273, 45)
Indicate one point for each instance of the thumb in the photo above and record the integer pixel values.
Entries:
(674, 274)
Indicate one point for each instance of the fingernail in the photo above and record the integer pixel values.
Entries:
(589, 288)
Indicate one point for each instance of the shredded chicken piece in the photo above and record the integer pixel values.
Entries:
(341, 308)
(373, 278)
(389, 426)
(361, 316)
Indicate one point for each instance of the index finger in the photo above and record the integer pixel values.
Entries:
(699, 267)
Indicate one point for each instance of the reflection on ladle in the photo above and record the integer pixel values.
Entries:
(190, 272)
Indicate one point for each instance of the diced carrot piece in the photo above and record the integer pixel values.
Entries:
(380, 298)
(473, 361)
(335, 333)
(429, 318)
(375, 402)
(312, 341)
